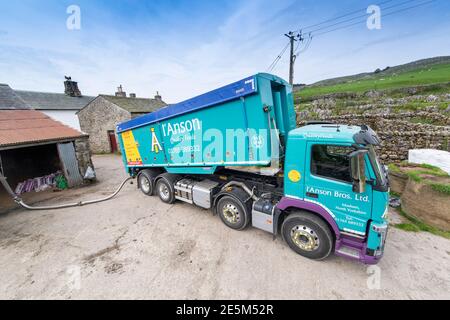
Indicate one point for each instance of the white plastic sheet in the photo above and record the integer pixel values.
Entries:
(437, 158)
(90, 174)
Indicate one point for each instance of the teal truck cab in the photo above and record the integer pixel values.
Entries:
(333, 171)
(236, 150)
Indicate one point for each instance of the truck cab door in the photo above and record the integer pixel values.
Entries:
(328, 183)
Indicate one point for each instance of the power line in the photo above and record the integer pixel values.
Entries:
(342, 16)
(340, 22)
(280, 55)
(308, 43)
(384, 15)
(297, 36)
(293, 37)
(298, 45)
(360, 16)
(278, 58)
(274, 62)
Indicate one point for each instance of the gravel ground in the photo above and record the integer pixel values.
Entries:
(136, 247)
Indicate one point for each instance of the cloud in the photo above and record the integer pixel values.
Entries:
(143, 60)
(192, 50)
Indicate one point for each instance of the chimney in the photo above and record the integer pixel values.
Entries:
(158, 97)
(71, 88)
(132, 95)
(120, 92)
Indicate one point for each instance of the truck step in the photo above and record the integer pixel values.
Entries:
(350, 252)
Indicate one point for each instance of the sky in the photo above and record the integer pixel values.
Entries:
(183, 48)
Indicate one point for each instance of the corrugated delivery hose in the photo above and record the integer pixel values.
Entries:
(19, 200)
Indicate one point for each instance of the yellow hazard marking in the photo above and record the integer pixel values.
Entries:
(294, 176)
(131, 150)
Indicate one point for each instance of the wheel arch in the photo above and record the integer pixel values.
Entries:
(169, 177)
(236, 193)
(288, 205)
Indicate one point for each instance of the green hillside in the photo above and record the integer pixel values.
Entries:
(392, 78)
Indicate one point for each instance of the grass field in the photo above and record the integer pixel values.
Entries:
(438, 73)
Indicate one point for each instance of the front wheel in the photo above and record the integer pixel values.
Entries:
(308, 235)
(233, 213)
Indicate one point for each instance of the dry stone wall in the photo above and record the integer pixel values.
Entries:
(398, 134)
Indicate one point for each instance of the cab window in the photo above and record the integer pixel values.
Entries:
(331, 161)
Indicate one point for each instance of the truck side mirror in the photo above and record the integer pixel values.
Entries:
(357, 167)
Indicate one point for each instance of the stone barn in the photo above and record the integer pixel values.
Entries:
(100, 117)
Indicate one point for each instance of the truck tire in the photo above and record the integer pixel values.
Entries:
(164, 189)
(233, 212)
(308, 235)
(146, 182)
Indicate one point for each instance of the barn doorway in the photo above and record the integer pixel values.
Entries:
(21, 164)
(112, 141)
(30, 162)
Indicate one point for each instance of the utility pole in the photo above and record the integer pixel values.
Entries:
(293, 37)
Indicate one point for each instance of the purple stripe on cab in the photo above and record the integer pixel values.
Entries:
(287, 202)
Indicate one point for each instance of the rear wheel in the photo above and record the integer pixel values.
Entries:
(308, 235)
(146, 184)
(233, 213)
(165, 191)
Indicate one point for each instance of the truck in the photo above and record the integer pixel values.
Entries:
(236, 150)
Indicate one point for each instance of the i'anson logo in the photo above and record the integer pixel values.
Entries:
(156, 146)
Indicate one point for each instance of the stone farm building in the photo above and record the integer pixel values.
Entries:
(33, 145)
(101, 116)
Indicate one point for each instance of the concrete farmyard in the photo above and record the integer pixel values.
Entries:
(136, 247)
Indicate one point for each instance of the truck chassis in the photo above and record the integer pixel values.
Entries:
(241, 199)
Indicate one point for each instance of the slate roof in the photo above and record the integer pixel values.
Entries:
(9, 100)
(53, 101)
(135, 105)
(19, 127)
